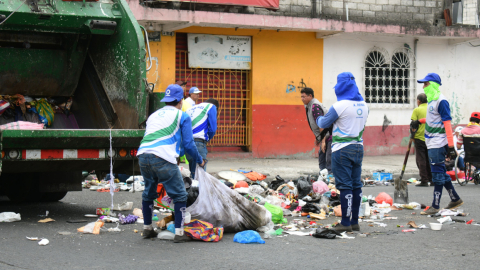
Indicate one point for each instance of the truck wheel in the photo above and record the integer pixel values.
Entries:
(53, 196)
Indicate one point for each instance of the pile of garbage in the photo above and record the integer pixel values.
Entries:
(133, 183)
(25, 110)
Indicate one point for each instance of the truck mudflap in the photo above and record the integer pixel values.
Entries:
(67, 150)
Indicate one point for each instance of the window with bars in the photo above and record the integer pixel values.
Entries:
(389, 80)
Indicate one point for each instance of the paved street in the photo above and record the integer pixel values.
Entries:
(455, 247)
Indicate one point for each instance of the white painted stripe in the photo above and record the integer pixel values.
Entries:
(69, 153)
(34, 154)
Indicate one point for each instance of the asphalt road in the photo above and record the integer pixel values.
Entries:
(456, 246)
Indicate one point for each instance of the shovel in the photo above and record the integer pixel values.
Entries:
(401, 188)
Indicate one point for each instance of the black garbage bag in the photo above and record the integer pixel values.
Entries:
(276, 183)
(334, 203)
(311, 208)
(293, 206)
(229, 184)
(192, 195)
(326, 233)
(187, 181)
(304, 187)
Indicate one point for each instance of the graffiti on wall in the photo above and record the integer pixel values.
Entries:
(292, 88)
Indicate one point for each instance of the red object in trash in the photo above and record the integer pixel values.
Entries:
(312, 222)
(241, 184)
(460, 175)
(384, 197)
(470, 221)
(410, 230)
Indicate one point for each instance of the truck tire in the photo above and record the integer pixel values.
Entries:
(53, 196)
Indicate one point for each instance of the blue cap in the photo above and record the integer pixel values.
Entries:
(194, 90)
(174, 92)
(431, 77)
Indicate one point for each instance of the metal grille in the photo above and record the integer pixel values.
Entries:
(232, 90)
(389, 80)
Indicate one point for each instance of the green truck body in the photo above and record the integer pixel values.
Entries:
(92, 51)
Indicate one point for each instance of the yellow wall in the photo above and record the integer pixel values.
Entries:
(162, 73)
(279, 59)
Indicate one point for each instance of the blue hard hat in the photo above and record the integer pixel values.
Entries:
(431, 77)
(174, 92)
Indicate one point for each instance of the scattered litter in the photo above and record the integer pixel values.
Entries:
(91, 215)
(412, 224)
(410, 230)
(325, 233)
(381, 224)
(166, 235)
(248, 237)
(384, 197)
(43, 242)
(46, 220)
(422, 227)
(103, 211)
(122, 207)
(44, 216)
(127, 219)
(138, 212)
(299, 233)
(64, 233)
(444, 219)
(436, 226)
(92, 227)
(470, 221)
(116, 229)
(9, 217)
(33, 238)
(344, 235)
(204, 231)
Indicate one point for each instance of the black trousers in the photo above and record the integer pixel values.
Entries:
(423, 163)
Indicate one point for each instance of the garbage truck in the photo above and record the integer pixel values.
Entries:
(79, 68)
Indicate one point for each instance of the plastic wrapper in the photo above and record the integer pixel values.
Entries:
(384, 197)
(222, 207)
(326, 233)
(9, 217)
(256, 189)
(92, 227)
(320, 187)
(277, 212)
(130, 219)
(273, 200)
(311, 208)
(166, 235)
(248, 237)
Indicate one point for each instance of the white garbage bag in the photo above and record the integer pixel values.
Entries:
(9, 217)
(224, 207)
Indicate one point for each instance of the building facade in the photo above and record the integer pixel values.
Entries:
(386, 44)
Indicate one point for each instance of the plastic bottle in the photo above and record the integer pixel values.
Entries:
(155, 218)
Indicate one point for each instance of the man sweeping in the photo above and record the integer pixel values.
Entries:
(439, 140)
(167, 130)
(349, 117)
(421, 151)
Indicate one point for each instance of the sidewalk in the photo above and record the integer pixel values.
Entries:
(293, 168)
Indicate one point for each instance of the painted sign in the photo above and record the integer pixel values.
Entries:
(215, 51)
(270, 4)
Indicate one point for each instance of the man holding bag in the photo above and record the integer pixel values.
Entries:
(168, 129)
(349, 117)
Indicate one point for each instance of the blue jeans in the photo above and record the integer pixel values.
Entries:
(347, 167)
(156, 171)
(437, 164)
(202, 150)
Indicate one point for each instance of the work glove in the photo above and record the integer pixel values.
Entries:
(452, 153)
(414, 125)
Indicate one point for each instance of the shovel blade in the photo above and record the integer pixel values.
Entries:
(401, 192)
